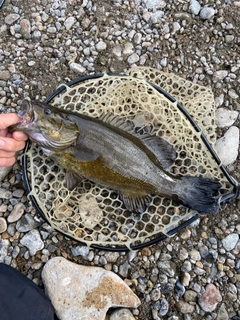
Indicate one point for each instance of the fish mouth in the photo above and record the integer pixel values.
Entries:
(27, 114)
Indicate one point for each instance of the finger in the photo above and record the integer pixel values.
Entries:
(7, 162)
(8, 119)
(7, 154)
(9, 144)
(20, 136)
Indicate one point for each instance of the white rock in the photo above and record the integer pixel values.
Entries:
(128, 48)
(225, 117)
(76, 67)
(101, 45)
(207, 13)
(4, 245)
(195, 7)
(80, 292)
(230, 241)
(16, 213)
(32, 240)
(11, 18)
(133, 58)
(227, 146)
(155, 4)
(121, 314)
(219, 75)
(69, 22)
(3, 225)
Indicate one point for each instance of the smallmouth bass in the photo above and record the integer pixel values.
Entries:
(108, 152)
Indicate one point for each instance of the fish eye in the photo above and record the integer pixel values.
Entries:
(47, 112)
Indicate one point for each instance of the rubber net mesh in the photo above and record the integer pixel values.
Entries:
(95, 215)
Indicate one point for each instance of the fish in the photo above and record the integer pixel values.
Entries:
(108, 151)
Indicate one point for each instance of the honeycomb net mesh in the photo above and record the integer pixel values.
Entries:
(95, 215)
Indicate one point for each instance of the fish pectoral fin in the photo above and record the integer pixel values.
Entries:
(162, 149)
(136, 203)
(72, 179)
(84, 154)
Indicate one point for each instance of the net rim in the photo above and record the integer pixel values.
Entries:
(222, 200)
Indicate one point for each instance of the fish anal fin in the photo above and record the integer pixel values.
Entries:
(135, 203)
(161, 148)
(118, 122)
(72, 179)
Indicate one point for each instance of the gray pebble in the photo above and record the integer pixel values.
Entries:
(25, 27)
(26, 223)
(229, 38)
(195, 7)
(100, 46)
(207, 13)
(80, 251)
(5, 194)
(219, 75)
(18, 193)
(230, 241)
(76, 67)
(3, 225)
(69, 22)
(164, 307)
(133, 58)
(11, 18)
(4, 245)
(16, 213)
(121, 314)
(32, 240)
(123, 269)
(179, 289)
(155, 294)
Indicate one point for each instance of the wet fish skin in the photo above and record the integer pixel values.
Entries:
(100, 150)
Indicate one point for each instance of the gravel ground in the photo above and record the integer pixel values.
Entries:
(44, 43)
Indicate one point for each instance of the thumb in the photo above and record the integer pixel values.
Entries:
(8, 119)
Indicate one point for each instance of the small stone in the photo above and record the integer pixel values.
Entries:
(100, 290)
(133, 58)
(121, 314)
(18, 193)
(5, 194)
(80, 251)
(230, 241)
(26, 223)
(185, 279)
(4, 245)
(222, 313)
(227, 146)
(184, 307)
(219, 75)
(195, 7)
(69, 22)
(32, 240)
(11, 18)
(155, 4)
(210, 298)
(195, 255)
(17, 212)
(229, 38)
(155, 294)
(156, 17)
(100, 46)
(3, 225)
(76, 67)
(225, 117)
(164, 307)
(179, 289)
(25, 27)
(190, 295)
(207, 13)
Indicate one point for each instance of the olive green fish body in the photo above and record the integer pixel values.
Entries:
(108, 152)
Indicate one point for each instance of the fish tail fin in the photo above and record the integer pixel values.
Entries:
(199, 194)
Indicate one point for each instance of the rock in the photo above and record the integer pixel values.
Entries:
(26, 223)
(17, 212)
(3, 225)
(80, 251)
(219, 75)
(195, 7)
(227, 146)
(5, 194)
(155, 294)
(225, 117)
(156, 17)
(164, 306)
(4, 245)
(179, 288)
(18, 193)
(100, 46)
(76, 67)
(133, 58)
(230, 241)
(190, 295)
(207, 13)
(4, 170)
(185, 279)
(32, 240)
(25, 27)
(121, 314)
(210, 298)
(11, 18)
(222, 313)
(184, 307)
(155, 4)
(87, 291)
(69, 22)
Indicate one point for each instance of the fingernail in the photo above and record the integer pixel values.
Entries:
(2, 143)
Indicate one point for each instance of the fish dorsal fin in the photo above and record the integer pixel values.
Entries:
(118, 122)
(162, 149)
(135, 203)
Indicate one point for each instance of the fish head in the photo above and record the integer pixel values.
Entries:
(47, 125)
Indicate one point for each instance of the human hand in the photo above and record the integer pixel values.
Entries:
(10, 143)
